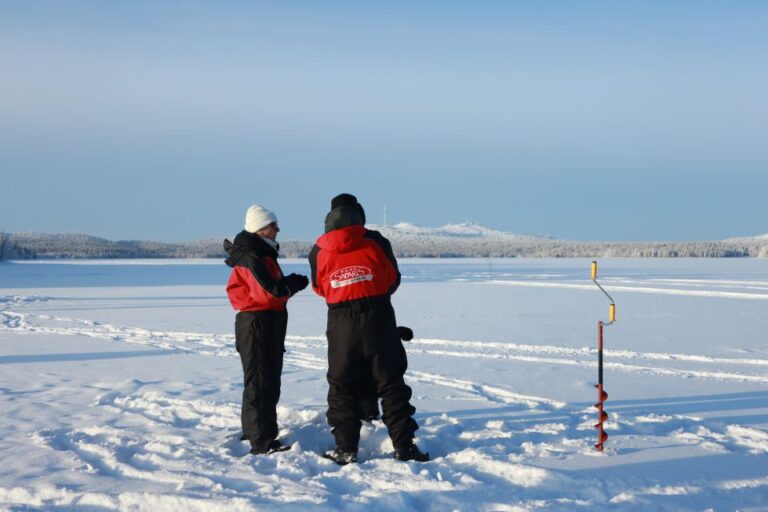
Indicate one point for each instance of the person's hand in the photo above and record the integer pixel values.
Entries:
(296, 282)
(405, 333)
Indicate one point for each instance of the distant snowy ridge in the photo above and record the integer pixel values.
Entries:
(464, 230)
(473, 240)
(747, 239)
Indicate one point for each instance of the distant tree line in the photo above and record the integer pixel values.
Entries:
(78, 246)
(9, 249)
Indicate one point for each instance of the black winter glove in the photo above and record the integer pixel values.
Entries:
(406, 334)
(296, 283)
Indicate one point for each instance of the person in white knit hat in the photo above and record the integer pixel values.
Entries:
(258, 290)
(258, 217)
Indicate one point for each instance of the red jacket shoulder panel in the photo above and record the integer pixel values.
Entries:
(342, 240)
(246, 294)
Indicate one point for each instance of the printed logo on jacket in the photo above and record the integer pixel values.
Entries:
(350, 275)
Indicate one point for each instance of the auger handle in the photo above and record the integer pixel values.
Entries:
(612, 307)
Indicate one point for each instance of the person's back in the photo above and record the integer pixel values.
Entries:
(353, 263)
(355, 270)
(354, 255)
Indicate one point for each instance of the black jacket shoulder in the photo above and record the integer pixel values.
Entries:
(383, 242)
(312, 257)
(246, 247)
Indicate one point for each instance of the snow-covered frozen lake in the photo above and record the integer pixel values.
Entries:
(120, 390)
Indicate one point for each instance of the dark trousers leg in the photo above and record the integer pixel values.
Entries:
(368, 398)
(346, 368)
(260, 341)
(388, 363)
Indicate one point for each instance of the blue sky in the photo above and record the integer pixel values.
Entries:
(582, 120)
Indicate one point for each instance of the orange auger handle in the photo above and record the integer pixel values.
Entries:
(612, 307)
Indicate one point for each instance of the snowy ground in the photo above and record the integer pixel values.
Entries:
(120, 389)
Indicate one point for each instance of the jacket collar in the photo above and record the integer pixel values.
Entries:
(246, 242)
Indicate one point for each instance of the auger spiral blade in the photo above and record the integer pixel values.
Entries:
(602, 438)
(602, 417)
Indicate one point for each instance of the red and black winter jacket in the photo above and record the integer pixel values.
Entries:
(353, 263)
(256, 282)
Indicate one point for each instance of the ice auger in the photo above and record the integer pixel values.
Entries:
(602, 396)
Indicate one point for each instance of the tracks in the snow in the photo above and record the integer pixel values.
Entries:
(686, 288)
(651, 363)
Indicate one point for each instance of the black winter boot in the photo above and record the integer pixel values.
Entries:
(411, 453)
(341, 457)
(273, 447)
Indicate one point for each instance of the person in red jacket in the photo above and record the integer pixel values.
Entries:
(259, 291)
(354, 269)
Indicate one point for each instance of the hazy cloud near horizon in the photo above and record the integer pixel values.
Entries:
(592, 121)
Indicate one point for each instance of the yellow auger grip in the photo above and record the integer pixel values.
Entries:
(612, 313)
(594, 270)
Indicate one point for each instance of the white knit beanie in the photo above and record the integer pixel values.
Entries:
(257, 217)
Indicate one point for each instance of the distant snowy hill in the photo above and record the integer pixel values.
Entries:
(466, 230)
(748, 239)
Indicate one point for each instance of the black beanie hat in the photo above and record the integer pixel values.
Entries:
(348, 200)
(343, 200)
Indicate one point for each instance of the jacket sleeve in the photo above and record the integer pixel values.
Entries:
(313, 269)
(313, 264)
(386, 247)
(275, 287)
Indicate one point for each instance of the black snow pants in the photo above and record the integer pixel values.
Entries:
(364, 345)
(369, 400)
(260, 341)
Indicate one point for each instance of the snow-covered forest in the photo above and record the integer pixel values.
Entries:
(25, 246)
(408, 240)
